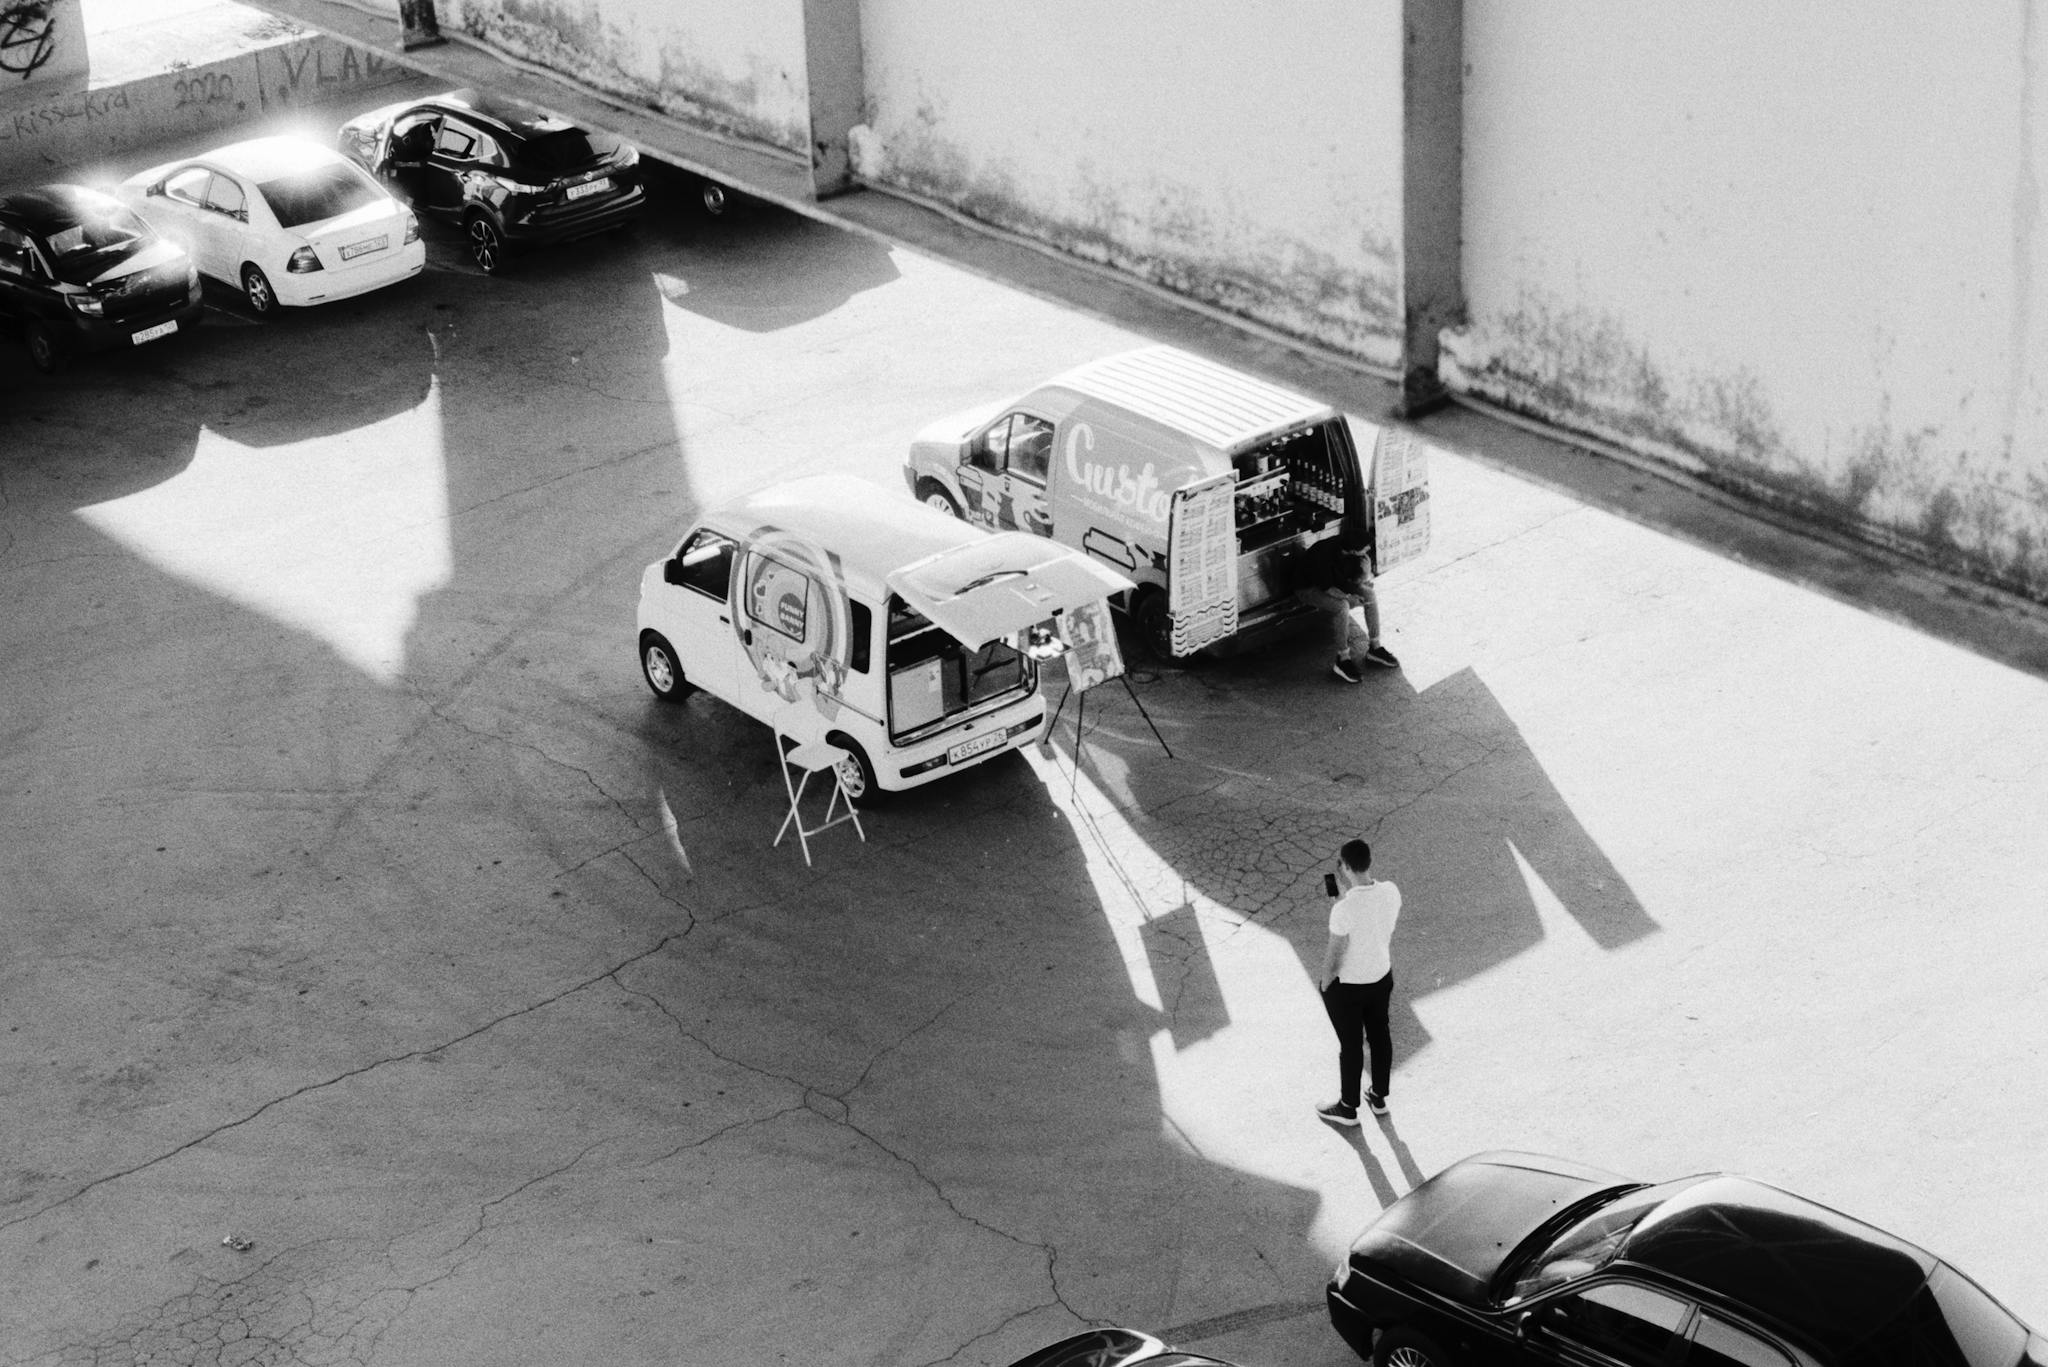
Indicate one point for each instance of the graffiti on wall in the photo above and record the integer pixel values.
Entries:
(28, 36)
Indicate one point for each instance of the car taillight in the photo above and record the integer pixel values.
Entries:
(520, 187)
(412, 227)
(304, 261)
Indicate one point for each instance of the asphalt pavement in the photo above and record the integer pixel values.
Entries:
(390, 979)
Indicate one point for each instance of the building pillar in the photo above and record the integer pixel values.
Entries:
(422, 26)
(42, 48)
(832, 62)
(1432, 191)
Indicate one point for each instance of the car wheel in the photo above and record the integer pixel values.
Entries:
(856, 771)
(658, 665)
(934, 495)
(713, 196)
(256, 289)
(1152, 623)
(43, 352)
(1405, 1347)
(486, 245)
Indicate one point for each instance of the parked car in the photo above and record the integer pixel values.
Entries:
(79, 273)
(834, 610)
(1114, 1348)
(509, 174)
(282, 219)
(1513, 1258)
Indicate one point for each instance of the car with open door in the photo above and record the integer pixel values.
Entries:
(508, 174)
(81, 273)
(1518, 1260)
(833, 610)
(284, 220)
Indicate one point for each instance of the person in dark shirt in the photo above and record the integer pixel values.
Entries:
(1338, 578)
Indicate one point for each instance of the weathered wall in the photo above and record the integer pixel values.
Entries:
(1799, 250)
(1248, 156)
(41, 134)
(734, 65)
(42, 48)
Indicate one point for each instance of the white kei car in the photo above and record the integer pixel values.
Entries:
(285, 220)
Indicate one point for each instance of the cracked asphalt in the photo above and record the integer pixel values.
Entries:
(360, 903)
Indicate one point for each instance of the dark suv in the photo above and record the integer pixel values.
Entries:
(78, 272)
(510, 174)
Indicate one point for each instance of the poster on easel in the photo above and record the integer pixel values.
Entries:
(1399, 490)
(1092, 653)
(1201, 568)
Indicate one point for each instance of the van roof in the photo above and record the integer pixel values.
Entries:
(870, 531)
(1216, 406)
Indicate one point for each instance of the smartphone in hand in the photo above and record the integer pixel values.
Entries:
(1330, 884)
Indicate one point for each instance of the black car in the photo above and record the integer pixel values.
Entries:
(1512, 1258)
(78, 273)
(1113, 1348)
(510, 174)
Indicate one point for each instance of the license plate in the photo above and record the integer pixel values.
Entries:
(980, 745)
(356, 249)
(160, 330)
(590, 187)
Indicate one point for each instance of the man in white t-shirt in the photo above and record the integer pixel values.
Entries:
(1357, 981)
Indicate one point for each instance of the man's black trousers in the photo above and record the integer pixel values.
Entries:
(1360, 1009)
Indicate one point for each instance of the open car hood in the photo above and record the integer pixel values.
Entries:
(1002, 583)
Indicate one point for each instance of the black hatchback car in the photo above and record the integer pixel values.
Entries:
(1511, 1258)
(509, 174)
(79, 272)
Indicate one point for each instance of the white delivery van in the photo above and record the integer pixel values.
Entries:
(1203, 485)
(835, 610)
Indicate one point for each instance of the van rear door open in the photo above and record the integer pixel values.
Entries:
(1002, 584)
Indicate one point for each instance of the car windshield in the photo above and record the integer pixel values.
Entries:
(317, 195)
(1590, 1242)
(554, 153)
(97, 240)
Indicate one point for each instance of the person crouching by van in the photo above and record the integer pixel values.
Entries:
(1338, 578)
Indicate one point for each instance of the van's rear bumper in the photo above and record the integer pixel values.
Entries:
(916, 765)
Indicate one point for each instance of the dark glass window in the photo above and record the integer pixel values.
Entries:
(705, 564)
(860, 650)
(1621, 1319)
(555, 154)
(1716, 1343)
(318, 195)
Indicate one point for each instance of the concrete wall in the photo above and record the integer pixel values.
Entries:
(42, 136)
(1248, 156)
(1797, 249)
(42, 47)
(736, 66)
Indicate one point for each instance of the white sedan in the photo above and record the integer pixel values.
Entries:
(285, 220)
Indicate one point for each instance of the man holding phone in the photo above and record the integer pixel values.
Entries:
(1357, 980)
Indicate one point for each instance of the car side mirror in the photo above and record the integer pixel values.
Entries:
(242, 215)
(1526, 1325)
(672, 572)
(155, 189)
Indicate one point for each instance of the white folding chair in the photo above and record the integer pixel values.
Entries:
(809, 758)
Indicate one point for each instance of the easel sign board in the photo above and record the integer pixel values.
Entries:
(1092, 654)
(1202, 562)
(1399, 489)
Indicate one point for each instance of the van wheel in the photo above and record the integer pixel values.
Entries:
(1153, 626)
(712, 196)
(42, 349)
(856, 771)
(933, 495)
(658, 665)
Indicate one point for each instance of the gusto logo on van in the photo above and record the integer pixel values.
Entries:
(1141, 493)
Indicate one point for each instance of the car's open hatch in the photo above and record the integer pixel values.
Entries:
(1001, 584)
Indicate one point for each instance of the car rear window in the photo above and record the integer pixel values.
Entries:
(95, 242)
(554, 153)
(315, 196)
